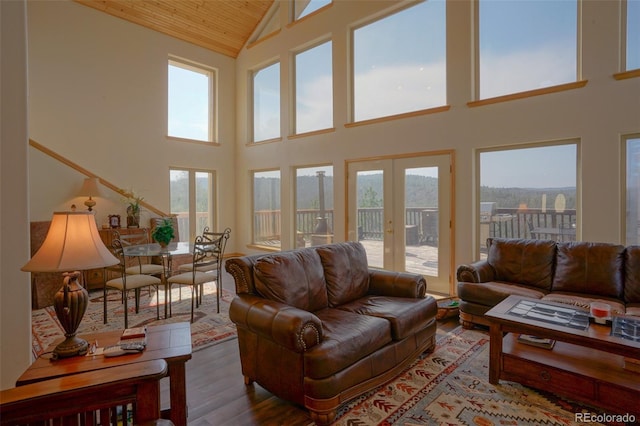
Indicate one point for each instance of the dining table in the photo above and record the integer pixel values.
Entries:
(165, 254)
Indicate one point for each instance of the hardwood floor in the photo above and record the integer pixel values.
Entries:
(217, 395)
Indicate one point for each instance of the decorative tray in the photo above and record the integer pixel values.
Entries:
(626, 327)
(552, 314)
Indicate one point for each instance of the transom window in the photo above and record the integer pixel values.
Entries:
(302, 8)
(399, 62)
(191, 101)
(314, 89)
(525, 45)
(266, 103)
(633, 35)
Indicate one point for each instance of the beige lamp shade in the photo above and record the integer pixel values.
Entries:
(72, 244)
(90, 187)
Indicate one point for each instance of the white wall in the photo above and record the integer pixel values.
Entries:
(15, 300)
(596, 115)
(98, 89)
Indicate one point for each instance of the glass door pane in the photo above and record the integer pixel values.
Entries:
(204, 201)
(179, 196)
(370, 220)
(421, 220)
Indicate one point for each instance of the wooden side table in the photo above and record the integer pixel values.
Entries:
(171, 342)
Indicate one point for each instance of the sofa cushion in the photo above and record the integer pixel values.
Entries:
(295, 278)
(632, 275)
(491, 293)
(590, 268)
(406, 315)
(347, 337)
(528, 262)
(346, 271)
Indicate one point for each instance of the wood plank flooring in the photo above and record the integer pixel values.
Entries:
(217, 395)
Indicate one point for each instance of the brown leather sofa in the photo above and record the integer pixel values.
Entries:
(317, 327)
(576, 273)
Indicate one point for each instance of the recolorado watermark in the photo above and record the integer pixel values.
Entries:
(602, 418)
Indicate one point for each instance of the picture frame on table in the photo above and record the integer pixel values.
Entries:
(114, 220)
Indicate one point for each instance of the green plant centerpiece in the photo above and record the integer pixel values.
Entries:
(163, 233)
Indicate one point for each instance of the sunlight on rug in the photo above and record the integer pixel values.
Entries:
(208, 326)
(451, 387)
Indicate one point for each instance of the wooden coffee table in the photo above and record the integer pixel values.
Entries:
(585, 364)
(171, 342)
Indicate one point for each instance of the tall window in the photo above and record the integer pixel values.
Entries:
(526, 45)
(529, 193)
(266, 208)
(192, 200)
(302, 8)
(191, 102)
(314, 205)
(266, 103)
(314, 89)
(633, 35)
(400, 62)
(633, 191)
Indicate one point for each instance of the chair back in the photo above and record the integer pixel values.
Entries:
(131, 238)
(118, 251)
(219, 237)
(206, 252)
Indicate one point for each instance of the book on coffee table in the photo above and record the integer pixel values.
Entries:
(134, 333)
(540, 342)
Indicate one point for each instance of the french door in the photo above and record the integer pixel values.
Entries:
(400, 210)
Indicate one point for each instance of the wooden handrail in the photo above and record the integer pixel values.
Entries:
(87, 173)
(82, 396)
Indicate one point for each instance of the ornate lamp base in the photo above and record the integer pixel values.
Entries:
(70, 303)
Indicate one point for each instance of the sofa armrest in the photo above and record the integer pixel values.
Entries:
(293, 328)
(396, 284)
(477, 272)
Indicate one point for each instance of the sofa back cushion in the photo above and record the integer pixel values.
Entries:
(293, 277)
(590, 268)
(523, 261)
(345, 270)
(632, 275)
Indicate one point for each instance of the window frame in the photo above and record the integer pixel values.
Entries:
(293, 115)
(212, 94)
(352, 122)
(296, 227)
(512, 147)
(192, 199)
(252, 120)
(260, 244)
(478, 100)
(624, 187)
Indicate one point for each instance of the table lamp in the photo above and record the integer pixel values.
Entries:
(90, 188)
(72, 244)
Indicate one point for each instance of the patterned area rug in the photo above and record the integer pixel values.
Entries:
(451, 387)
(208, 326)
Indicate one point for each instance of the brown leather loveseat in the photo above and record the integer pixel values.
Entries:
(576, 273)
(317, 327)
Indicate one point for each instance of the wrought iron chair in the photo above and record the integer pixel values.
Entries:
(206, 267)
(139, 264)
(126, 282)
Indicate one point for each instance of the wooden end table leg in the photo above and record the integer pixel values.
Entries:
(495, 353)
(178, 393)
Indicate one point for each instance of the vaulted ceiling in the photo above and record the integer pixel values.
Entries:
(222, 26)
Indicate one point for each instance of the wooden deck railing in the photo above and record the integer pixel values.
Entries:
(505, 223)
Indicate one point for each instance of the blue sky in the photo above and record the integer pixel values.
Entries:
(400, 66)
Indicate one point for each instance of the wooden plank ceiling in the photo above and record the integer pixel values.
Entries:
(222, 26)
